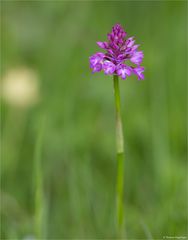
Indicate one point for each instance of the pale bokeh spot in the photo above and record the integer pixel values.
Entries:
(20, 87)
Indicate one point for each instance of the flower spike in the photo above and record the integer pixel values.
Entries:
(118, 51)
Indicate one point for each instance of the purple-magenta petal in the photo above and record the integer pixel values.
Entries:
(138, 71)
(103, 45)
(130, 41)
(128, 70)
(96, 61)
(97, 68)
(109, 67)
(123, 71)
(137, 57)
(96, 58)
(135, 47)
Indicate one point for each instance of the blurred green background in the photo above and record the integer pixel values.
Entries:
(58, 168)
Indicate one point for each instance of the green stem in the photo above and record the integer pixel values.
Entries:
(120, 159)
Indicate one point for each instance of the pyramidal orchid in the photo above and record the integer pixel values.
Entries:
(119, 52)
(121, 59)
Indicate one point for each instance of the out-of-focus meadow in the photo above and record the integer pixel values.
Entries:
(58, 167)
